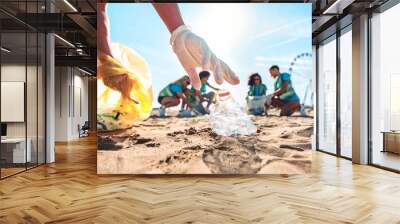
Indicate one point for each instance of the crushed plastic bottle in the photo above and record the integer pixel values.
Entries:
(227, 118)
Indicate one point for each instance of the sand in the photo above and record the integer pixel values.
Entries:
(172, 145)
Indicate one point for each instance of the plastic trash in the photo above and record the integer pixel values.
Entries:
(124, 89)
(255, 104)
(227, 118)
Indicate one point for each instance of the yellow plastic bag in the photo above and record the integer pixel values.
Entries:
(124, 92)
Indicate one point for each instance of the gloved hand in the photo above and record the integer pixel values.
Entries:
(193, 51)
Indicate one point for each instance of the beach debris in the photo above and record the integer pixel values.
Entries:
(285, 134)
(194, 147)
(142, 140)
(124, 89)
(191, 131)
(175, 133)
(228, 118)
(107, 143)
(152, 144)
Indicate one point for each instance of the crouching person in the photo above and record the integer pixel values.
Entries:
(202, 95)
(256, 95)
(173, 94)
(284, 96)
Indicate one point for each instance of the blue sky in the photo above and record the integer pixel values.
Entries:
(249, 37)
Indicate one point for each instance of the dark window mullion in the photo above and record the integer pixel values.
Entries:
(338, 98)
(317, 97)
(0, 98)
(26, 87)
(37, 90)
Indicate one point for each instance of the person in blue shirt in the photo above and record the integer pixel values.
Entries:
(256, 94)
(202, 95)
(256, 87)
(173, 93)
(284, 96)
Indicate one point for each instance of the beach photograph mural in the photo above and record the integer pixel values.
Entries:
(204, 88)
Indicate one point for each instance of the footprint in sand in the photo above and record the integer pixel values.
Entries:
(115, 142)
(232, 156)
(296, 156)
(182, 156)
(270, 150)
(297, 147)
(307, 132)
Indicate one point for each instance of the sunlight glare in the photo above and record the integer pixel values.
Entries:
(223, 28)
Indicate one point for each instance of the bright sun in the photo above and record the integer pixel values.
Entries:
(223, 26)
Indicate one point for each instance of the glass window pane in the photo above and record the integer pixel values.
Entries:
(13, 86)
(345, 94)
(31, 97)
(41, 98)
(385, 84)
(327, 97)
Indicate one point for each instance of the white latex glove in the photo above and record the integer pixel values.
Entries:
(193, 51)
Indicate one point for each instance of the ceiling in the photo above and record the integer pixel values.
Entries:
(74, 21)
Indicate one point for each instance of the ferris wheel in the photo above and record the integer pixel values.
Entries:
(301, 68)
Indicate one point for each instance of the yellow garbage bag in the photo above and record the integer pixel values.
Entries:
(124, 91)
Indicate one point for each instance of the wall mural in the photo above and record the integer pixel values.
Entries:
(204, 88)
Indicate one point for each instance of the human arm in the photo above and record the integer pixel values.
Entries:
(103, 39)
(184, 99)
(281, 90)
(170, 15)
(285, 77)
(212, 87)
(264, 92)
(250, 92)
(198, 94)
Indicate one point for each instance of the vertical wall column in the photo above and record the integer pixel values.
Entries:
(50, 98)
(50, 92)
(92, 103)
(360, 90)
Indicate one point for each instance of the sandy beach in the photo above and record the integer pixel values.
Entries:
(172, 145)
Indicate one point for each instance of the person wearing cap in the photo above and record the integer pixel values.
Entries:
(284, 96)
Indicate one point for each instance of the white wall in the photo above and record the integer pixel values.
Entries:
(12, 73)
(33, 127)
(71, 102)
